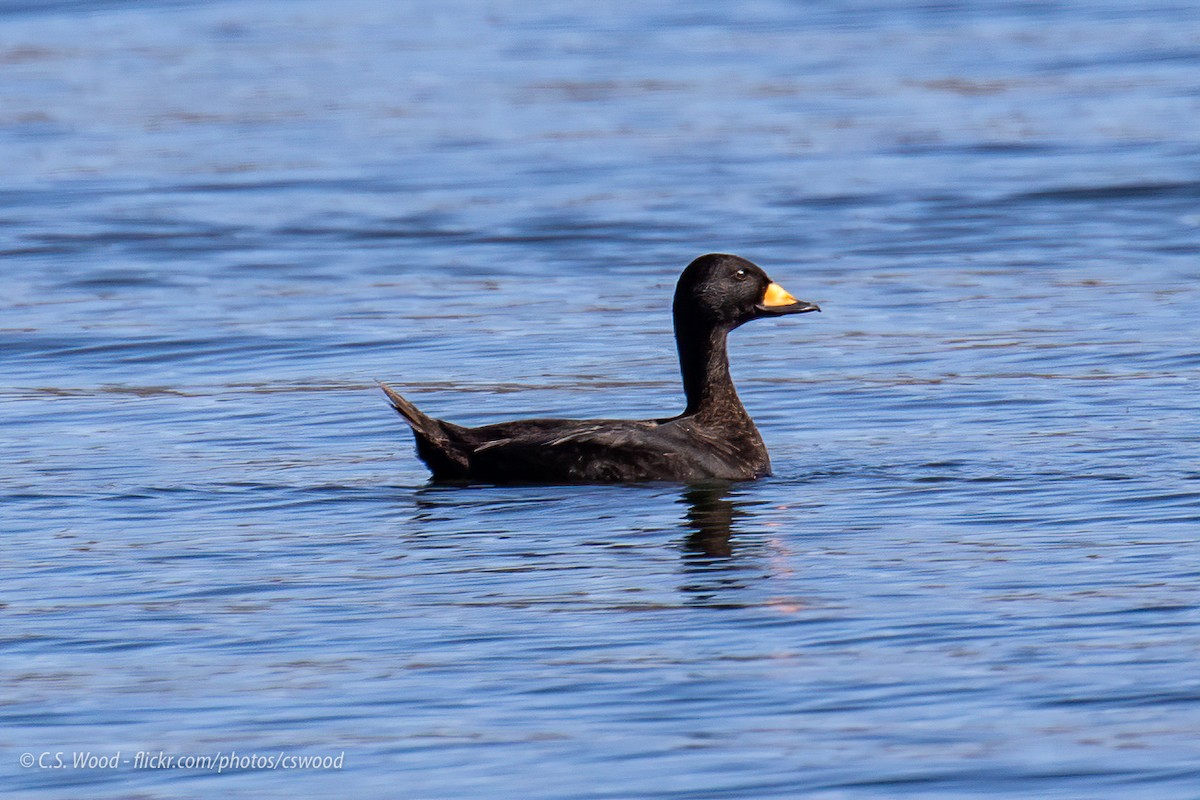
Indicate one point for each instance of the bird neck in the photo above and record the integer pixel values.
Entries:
(704, 362)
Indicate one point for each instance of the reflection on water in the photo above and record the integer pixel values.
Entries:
(718, 567)
(972, 574)
(710, 517)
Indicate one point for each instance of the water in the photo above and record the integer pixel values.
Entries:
(973, 574)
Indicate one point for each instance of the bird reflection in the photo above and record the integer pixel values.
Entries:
(710, 519)
(716, 572)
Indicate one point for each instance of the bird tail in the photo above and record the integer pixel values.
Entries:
(439, 443)
(417, 419)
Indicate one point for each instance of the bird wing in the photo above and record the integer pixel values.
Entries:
(604, 452)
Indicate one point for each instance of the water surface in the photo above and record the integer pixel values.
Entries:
(974, 572)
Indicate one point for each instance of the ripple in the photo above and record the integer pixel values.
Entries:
(973, 571)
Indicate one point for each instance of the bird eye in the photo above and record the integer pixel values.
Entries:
(740, 274)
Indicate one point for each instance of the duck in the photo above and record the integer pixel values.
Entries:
(714, 437)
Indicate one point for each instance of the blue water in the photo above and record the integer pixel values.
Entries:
(974, 573)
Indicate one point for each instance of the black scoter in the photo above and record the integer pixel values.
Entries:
(714, 437)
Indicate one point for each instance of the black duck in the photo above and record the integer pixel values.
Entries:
(714, 437)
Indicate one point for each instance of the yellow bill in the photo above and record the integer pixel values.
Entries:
(776, 295)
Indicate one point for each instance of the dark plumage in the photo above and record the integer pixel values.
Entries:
(714, 437)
